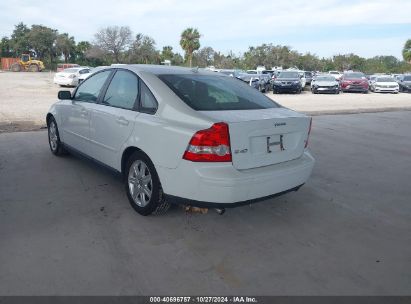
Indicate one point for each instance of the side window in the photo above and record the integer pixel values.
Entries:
(122, 91)
(147, 99)
(90, 89)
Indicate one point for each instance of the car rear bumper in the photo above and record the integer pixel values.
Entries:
(220, 183)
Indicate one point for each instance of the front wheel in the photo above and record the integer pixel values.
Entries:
(55, 144)
(143, 186)
(34, 68)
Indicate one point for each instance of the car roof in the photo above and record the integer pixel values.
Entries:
(164, 69)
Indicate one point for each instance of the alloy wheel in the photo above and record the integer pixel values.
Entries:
(140, 183)
(53, 136)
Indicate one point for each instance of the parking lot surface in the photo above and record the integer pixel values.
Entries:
(66, 226)
(26, 97)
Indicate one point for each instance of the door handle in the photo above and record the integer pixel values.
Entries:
(122, 121)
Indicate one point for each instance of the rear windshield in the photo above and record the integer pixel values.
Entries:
(216, 93)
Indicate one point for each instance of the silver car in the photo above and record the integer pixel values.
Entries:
(325, 84)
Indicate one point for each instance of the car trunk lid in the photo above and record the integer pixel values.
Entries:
(264, 137)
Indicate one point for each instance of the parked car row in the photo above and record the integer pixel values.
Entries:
(284, 81)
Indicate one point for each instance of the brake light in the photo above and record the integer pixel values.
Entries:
(210, 145)
(309, 131)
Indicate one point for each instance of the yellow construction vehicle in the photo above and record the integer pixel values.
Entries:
(27, 63)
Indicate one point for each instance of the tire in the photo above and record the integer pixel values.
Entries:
(143, 186)
(33, 68)
(365, 92)
(55, 144)
(15, 67)
(337, 92)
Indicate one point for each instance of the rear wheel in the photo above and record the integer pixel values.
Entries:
(143, 187)
(15, 67)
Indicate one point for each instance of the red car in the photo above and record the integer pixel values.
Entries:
(354, 82)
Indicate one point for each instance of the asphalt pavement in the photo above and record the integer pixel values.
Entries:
(66, 227)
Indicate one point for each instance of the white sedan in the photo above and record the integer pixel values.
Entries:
(337, 75)
(385, 84)
(183, 136)
(70, 77)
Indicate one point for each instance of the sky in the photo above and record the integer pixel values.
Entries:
(323, 27)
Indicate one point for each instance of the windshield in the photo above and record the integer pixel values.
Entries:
(289, 75)
(407, 78)
(354, 75)
(216, 93)
(324, 78)
(385, 79)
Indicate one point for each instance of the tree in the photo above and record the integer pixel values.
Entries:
(204, 57)
(5, 47)
(80, 52)
(190, 42)
(406, 51)
(65, 45)
(167, 53)
(114, 40)
(19, 42)
(42, 40)
(97, 56)
(143, 50)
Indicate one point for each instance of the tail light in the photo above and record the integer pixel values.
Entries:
(210, 145)
(309, 131)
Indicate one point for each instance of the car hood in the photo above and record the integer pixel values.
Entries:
(386, 83)
(406, 82)
(326, 83)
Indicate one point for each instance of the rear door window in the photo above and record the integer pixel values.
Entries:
(122, 91)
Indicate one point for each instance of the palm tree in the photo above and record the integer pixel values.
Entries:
(190, 42)
(406, 51)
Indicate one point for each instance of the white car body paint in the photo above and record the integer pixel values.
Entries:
(104, 133)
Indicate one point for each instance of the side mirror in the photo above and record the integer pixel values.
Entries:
(64, 95)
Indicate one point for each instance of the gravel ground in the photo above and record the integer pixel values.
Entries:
(26, 97)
